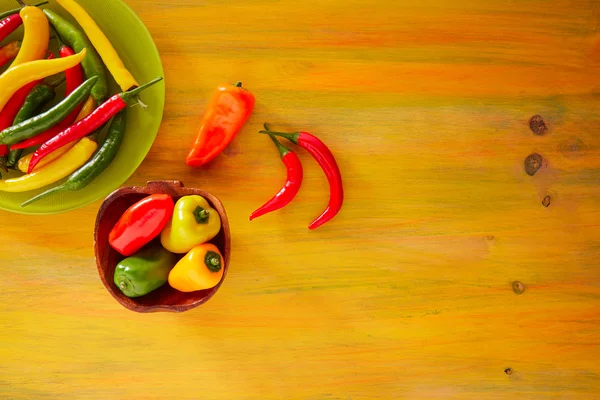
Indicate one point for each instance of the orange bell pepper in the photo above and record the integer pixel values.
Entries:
(228, 111)
(202, 268)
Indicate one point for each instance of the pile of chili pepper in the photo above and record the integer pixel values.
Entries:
(326, 160)
(165, 241)
(49, 143)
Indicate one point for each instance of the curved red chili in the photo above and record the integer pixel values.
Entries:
(74, 77)
(292, 184)
(9, 24)
(327, 161)
(89, 124)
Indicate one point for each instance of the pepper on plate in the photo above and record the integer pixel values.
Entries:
(36, 34)
(141, 223)
(54, 171)
(228, 111)
(77, 40)
(145, 271)
(35, 101)
(89, 124)
(74, 77)
(87, 109)
(193, 222)
(109, 55)
(96, 165)
(18, 76)
(200, 269)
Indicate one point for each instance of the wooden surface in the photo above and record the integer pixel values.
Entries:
(407, 294)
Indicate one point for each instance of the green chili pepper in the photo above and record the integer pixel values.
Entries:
(96, 165)
(43, 122)
(35, 101)
(17, 10)
(77, 40)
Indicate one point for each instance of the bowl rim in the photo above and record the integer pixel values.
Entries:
(135, 166)
(177, 190)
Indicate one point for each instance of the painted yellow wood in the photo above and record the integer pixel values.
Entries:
(407, 294)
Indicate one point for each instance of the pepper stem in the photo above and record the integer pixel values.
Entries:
(212, 261)
(283, 151)
(22, 3)
(292, 137)
(238, 84)
(201, 215)
(134, 92)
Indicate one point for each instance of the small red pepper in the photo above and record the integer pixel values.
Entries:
(141, 223)
(89, 124)
(292, 185)
(228, 111)
(9, 24)
(11, 109)
(74, 77)
(327, 161)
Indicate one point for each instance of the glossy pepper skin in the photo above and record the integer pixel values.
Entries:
(326, 160)
(144, 272)
(96, 165)
(42, 122)
(109, 55)
(54, 171)
(89, 124)
(228, 111)
(87, 109)
(92, 63)
(18, 76)
(74, 77)
(35, 101)
(200, 269)
(295, 175)
(193, 222)
(36, 36)
(141, 223)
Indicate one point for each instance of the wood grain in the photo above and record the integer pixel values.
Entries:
(407, 294)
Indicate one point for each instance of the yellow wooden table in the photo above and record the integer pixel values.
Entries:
(407, 293)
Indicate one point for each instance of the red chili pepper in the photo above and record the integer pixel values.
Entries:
(292, 184)
(74, 77)
(228, 111)
(9, 24)
(89, 124)
(326, 160)
(11, 109)
(8, 52)
(141, 223)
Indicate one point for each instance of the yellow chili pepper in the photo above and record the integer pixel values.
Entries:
(53, 172)
(108, 53)
(86, 110)
(201, 268)
(36, 36)
(18, 76)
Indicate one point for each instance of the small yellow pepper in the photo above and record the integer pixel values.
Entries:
(202, 268)
(86, 110)
(53, 172)
(108, 53)
(193, 222)
(36, 36)
(18, 76)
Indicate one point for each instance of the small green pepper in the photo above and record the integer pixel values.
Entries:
(145, 271)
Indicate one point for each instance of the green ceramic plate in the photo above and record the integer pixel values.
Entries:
(134, 44)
